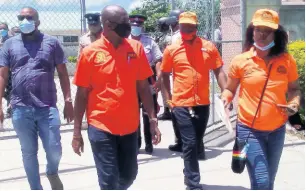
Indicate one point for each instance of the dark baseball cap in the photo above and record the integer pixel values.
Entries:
(92, 18)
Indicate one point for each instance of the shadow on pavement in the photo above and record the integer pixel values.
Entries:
(157, 155)
(218, 187)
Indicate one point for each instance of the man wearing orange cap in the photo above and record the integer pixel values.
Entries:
(190, 60)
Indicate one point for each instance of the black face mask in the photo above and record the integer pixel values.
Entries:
(123, 30)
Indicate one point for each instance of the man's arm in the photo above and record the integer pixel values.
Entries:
(165, 86)
(144, 91)
(64, 81)
(221, 77)
(80, 105)
(3, 81)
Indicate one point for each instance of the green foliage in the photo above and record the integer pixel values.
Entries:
(153, 10)
(208, 19)
(72, 59)
(297, 50)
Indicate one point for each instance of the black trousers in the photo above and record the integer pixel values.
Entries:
(145, 117)
(192, 130)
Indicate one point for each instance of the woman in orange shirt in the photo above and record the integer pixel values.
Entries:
(269, 92)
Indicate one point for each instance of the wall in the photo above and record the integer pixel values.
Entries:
(292, 17)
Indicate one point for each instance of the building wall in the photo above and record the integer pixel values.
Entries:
(292, 17)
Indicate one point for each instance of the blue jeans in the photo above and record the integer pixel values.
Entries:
(115, 158)
(192, 130)
(29, 123)
(263, 156)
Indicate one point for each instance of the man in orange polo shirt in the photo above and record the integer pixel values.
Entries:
(109, 74)
(190, 60)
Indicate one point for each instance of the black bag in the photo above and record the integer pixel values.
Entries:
(240, 149)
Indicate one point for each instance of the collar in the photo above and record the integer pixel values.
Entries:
(107, 43)
(196, 41)
(251, 53)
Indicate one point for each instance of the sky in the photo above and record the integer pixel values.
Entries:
(57, 14)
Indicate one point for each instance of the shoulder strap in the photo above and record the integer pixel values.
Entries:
(260, 100)
(261, 97)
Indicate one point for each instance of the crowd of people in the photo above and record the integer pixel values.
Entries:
(120, 69)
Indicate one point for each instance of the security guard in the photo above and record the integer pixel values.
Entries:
(95, 30)
(154, 56)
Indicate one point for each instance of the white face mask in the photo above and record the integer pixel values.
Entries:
(26, 26)
(136, 30)
(265, 47)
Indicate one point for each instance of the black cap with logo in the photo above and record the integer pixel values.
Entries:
(92, 18)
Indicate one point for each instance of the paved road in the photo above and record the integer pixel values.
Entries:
(162, 170)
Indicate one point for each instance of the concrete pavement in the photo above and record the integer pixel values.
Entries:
(162, 170)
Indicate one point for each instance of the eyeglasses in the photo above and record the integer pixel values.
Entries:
(22, 17)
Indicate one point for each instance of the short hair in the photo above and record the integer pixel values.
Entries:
(4, 23)
(280, 39)
(33, 9)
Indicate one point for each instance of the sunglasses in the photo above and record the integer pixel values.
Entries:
(22, 17)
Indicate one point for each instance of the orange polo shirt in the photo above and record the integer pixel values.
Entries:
(190, 64)
(252, 73)
(111, 74)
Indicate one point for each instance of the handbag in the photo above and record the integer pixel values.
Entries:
(240, 148)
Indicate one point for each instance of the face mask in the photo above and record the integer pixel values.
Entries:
(265, 47)
(136, 31)
(123, 30)
(94, 28)
(26, 26)
(188, 36)
(3, 33)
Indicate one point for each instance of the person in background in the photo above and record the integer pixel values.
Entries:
(218, 38)
(32, 58)
(154, 57)
(269, 93)
(4, 32)
(94, 33)
(190, 59)
(15, 31)
(110, 73)
(173, 35)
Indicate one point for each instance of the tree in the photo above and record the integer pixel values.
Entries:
(153, 10)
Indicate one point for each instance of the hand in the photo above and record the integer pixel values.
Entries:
(155, 133)
(1, 119)
(1, 116)
(68, 112)
(157, 86)
(289, 109)
(78, 144)
(227, 105)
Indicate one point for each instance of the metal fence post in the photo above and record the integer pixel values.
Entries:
(213, 39)
(83, 11)
(243, 20)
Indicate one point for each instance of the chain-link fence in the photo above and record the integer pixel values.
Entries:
(219, 21)
(59, 18)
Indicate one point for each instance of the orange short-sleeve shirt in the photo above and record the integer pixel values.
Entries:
(111, 74)
(190, 64)
(252, 73)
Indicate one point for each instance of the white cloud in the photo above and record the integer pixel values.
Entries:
(134, 4)
(96, 3)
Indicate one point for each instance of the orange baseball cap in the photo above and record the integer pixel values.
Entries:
(267, 18)
(188, 18)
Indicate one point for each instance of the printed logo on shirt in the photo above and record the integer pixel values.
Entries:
(100, 58)
(282, 69)
(131, 55)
